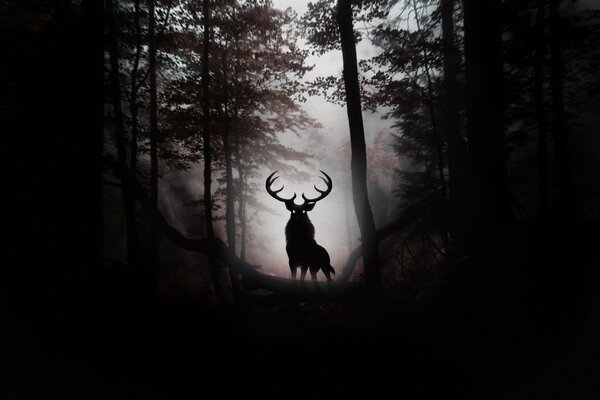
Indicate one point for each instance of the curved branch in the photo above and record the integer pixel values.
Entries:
(410, 215)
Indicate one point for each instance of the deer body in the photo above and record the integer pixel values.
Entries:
(301, 247)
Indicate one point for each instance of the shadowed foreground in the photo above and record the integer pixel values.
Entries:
(532, 337)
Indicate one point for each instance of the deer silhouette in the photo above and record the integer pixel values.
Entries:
(302, 249)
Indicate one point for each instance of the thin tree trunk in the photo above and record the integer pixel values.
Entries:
(229, 208)
(559, 126)
(456, 145)
(243, 220)
(132, 237)
(120, 127)
(206, 147)
(150, 277)
(357, 140)
(542, 139)
(93, 222)
(243, 192)
(347, 216)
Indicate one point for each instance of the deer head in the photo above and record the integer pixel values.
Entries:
(308, 204)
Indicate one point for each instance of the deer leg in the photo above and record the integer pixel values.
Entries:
(303, 270)
(293, 269)
(313, 272)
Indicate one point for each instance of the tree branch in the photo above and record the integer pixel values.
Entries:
(410, 215)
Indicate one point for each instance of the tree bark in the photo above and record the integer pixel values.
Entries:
(357, 140)
(559, 126)
(206, 150)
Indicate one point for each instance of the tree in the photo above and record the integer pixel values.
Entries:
(559, 123)
(542, 139)
(206, 146)
(489, 202)
(135, 85)
(120, 139)
(457, 150)
(150, 274)
(357, 136)
(90, 117)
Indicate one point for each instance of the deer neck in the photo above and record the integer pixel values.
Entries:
(301, 230)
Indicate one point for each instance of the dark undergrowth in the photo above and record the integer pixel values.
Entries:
(528, 332)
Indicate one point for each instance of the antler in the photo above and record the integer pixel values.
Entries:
(324, 193)
(272, 192)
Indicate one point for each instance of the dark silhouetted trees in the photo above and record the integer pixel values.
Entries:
(359, 155)
(485, 105)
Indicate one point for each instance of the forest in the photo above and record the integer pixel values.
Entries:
(438, 162)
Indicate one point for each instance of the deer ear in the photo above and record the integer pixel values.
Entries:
(289, 205)
(309, 206)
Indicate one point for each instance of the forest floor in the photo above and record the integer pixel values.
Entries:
(534, 338)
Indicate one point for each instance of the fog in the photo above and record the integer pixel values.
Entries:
(333, 217)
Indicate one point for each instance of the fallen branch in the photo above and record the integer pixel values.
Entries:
(410, 215)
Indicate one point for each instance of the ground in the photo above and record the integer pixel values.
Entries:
(527, 338)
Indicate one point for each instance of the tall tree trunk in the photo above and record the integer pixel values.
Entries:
(206, 149)
(456, 145)
(347, 217)
(229, 208)
(559, 126)
(362, 207)
(242, 196)
(132, 237)
(243, 219)
(485, 124)
(91, 117)
(120, 129)
(242, 216)
(542, 139)
(150, 276)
